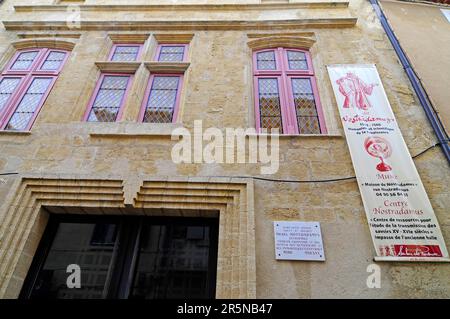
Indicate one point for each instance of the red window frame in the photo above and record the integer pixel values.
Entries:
(97, 89)
(185, 52)
(115, 46)
(148, 90)
(27, 76)
(284, 76)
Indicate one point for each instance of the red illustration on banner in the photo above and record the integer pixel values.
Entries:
(379, 147)
(355, 91)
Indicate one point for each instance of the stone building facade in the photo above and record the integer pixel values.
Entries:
(66, 164)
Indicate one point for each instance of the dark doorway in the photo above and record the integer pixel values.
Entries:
(125, 257)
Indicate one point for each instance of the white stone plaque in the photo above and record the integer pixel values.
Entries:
(298, 241)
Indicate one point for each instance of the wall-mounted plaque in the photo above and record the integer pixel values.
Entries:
(298, 241)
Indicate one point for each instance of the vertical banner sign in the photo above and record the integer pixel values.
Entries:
(401, 220)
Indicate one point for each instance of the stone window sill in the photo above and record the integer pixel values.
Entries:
(133, 130)
(118, 67)
(15, 133)
(167, 67)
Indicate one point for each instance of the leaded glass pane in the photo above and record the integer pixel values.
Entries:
(162, 99)
(53, 61)
(305, 106)
(125, 53)
(29, 104)
(109, 99)
(7, 88)
(171, 53)
(24, 60)
(266, 60)
(297, 60)
(269, 104)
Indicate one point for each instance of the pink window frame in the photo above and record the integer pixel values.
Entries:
(97, 89)
(33, 65)
(281, 95)
(54, 72)
(114, 47)
(176, 107)
(27, 77)
(160, 45)
(11, 111)
(288, 112)
(13, 97)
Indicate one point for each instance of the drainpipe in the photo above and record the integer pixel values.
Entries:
(415, 82)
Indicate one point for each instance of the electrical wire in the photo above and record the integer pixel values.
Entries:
(293, 180)
(320, 180)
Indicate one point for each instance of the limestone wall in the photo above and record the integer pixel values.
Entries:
(218, 90)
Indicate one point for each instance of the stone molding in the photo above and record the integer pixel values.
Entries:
(343, 22)
(194, 7)
(177, 38)
(236, 264)
(24, 221)
(308, 34)
(122, 38)
(167, 67)
(281, 41)
(52, 43)
(37, 35)
(118, 67)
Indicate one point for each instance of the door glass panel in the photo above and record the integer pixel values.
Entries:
(91, 247)
(174, 262)
(129, 257)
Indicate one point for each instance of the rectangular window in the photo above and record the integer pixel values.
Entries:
(125, 52)
(108, 98)
(162, 99)
(305, 105)
(126, 257)
(53, 61)
(297, 60)
(24, 60)
(266, 60)
(31, 100)
(286, 94)
(270, 103)
(25, 84)
(171, 52)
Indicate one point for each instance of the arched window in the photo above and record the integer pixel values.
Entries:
(286, 95)
(25, 84)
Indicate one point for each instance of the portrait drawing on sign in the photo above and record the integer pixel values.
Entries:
(355, 91)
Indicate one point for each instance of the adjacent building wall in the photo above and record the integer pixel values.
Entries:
(424, 34)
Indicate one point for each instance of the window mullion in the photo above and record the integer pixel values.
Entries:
(39, 60)
(286, 109)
